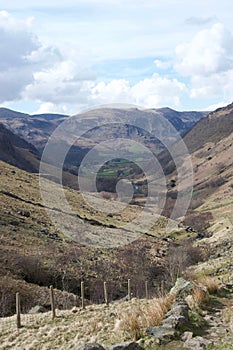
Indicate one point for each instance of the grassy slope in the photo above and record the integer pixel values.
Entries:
(212, 142)
(34, 250)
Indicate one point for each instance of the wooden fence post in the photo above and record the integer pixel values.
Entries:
(146, 289)
(106, 293)
(52, 302)
(129, 289)
(18, 319)
(82, 295)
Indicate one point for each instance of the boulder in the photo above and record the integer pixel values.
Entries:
(37, 309)
(126, 346)
(182, 287)
(178, 316)
(197, 343)
(186, 336)
(162, 334)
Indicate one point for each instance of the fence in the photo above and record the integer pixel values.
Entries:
(7, 324)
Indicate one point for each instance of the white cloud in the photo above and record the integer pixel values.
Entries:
(118, 90)
(155, 91)
(34, 71)
(158, 91)
(208, 61)
(212, 86)
(62, 83)
(213, 107)
(54, 67)
(210, 51)
(16, 42)
(49, 107)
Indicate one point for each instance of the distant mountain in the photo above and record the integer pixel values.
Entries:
(188, 118)
(36, 129)
(18, 152)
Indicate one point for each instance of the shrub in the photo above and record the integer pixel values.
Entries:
(179, 258)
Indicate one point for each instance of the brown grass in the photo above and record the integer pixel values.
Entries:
(132, 323)
(210, 283)
(157, 309)
(135, 322)
(200, 296)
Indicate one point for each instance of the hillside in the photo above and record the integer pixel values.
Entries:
(213, 183)
(35, 253)
(214, 127)
(16, 151)
(210, 143)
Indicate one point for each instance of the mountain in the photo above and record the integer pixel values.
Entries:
(210, 142)
(16, 151)
(36, 129)
(213, 128)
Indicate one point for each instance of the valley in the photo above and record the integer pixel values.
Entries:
(50, 242)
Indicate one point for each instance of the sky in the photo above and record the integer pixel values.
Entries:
(68, 56)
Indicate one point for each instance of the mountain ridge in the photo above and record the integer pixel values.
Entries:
(18, 152)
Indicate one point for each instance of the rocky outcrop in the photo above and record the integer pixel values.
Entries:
(197, 343)
(182, 287)
(175, 321)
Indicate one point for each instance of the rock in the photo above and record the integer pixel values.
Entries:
(177, 317)
(162, 334)
(24, 213)
(131, 345)
(187, 336)
(190, 301)
(175, 321)
(74, 310)
(91, 346)
(221, 331)
(182, 287)
(197, 343)
(37, 309)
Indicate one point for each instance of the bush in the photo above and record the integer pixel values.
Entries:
(179, 258)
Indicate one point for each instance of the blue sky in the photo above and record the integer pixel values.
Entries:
(65, 57)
